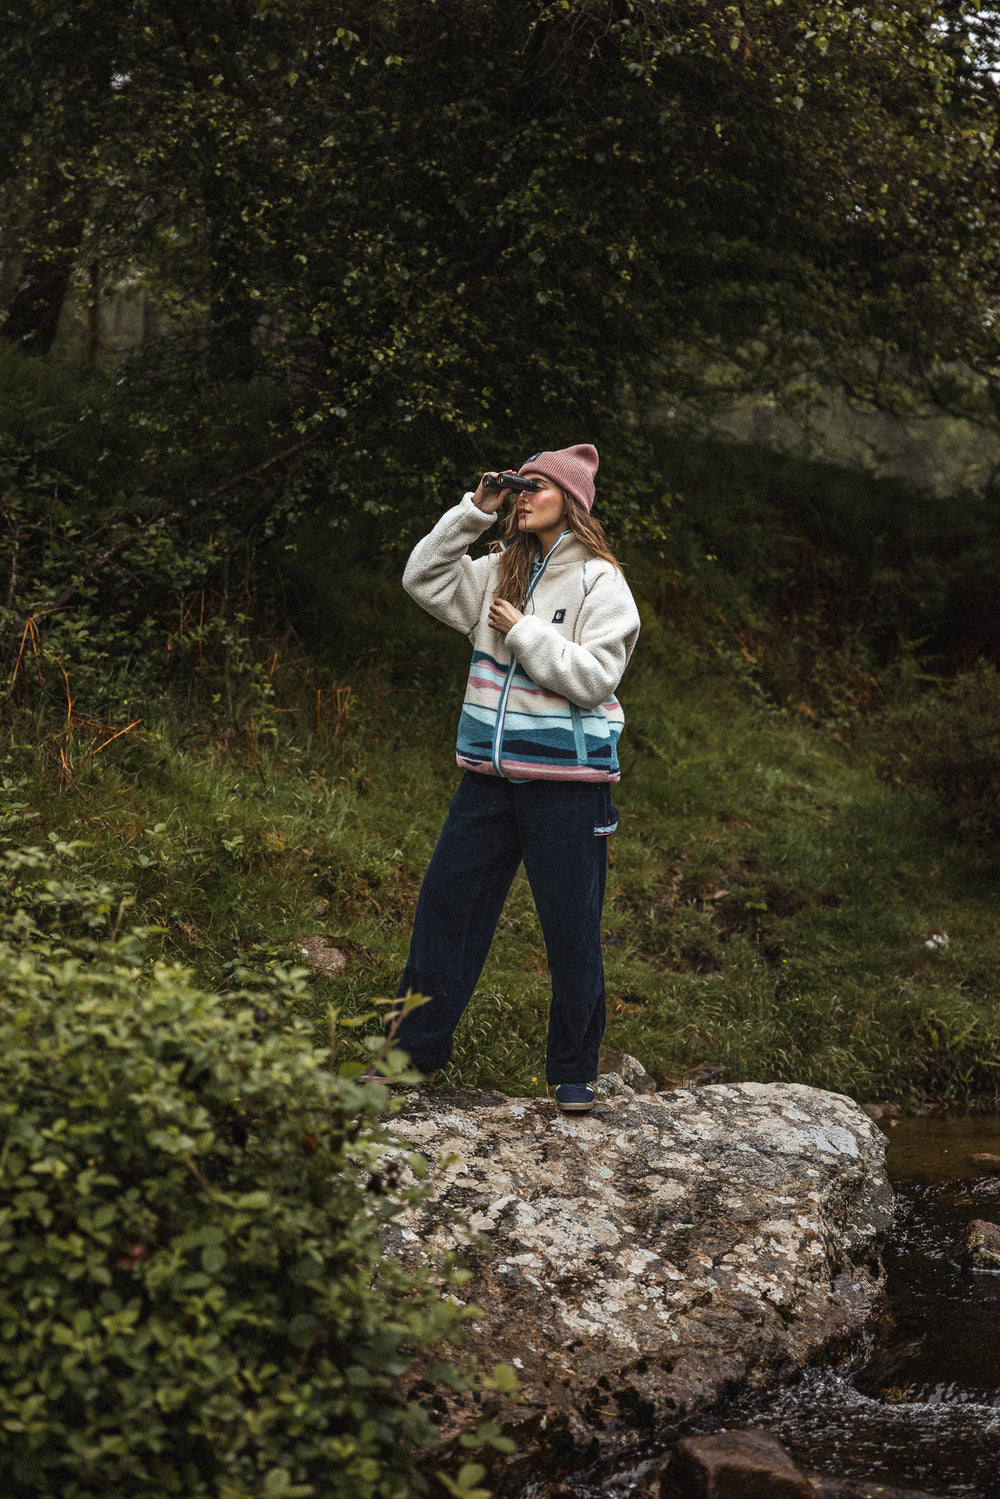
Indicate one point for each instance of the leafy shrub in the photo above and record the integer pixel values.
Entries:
(946, 745)
(192, 1299)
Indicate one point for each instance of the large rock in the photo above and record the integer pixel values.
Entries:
(646, 1260)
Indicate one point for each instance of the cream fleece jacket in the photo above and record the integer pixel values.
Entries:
(541, 702)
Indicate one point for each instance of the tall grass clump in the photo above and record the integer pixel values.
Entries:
(942, 745)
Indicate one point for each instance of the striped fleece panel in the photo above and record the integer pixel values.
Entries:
(542, 735)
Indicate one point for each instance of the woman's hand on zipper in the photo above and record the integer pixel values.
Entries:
(503, 616)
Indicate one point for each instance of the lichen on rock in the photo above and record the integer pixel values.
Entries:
(981, 1249)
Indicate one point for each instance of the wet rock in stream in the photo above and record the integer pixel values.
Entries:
(733, 1464)
(754, 1465)
(981, 1249)
(644, 1262)
(985, 1160)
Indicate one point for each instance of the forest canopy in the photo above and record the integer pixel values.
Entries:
(426, 229)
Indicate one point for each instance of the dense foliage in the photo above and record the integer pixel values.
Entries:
(191, 1203)
(445, 232)
(382, 247)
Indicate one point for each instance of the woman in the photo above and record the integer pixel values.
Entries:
(552, 625)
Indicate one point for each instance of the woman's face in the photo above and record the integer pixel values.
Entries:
(541, 512)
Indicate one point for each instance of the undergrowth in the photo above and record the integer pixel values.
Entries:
(777, 909)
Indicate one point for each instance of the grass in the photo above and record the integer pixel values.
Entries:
(773, 904)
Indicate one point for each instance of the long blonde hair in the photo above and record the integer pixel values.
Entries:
(518, 549)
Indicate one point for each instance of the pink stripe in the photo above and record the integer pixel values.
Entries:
(534, 772)
(531, 772)
(533, 691)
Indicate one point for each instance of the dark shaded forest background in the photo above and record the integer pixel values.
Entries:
(364, 251)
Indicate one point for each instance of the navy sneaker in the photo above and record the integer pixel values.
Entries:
(575, 1098)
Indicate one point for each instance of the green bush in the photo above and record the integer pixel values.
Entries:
(945, 745)
(192, 1297)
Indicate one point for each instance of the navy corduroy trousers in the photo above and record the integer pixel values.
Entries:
(558, 829)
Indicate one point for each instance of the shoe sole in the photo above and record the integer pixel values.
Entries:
(575, 1108)
(386, 1082)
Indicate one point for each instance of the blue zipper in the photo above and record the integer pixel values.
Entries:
(505, 689)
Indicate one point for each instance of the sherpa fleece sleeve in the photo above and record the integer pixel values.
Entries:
(587, 669)
(440, 575)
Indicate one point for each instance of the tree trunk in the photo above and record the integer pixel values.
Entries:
(93, 317)
(33, 311)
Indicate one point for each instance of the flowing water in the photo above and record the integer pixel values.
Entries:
(920, 1407)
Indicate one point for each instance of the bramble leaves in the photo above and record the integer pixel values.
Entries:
(192, 1302)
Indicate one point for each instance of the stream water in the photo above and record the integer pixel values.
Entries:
(920, 1405)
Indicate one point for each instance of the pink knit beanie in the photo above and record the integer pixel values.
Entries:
(573, 469)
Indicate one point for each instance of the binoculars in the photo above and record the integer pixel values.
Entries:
(509, 481)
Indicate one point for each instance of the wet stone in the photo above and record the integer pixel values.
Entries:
(877, 1110)
(984, 1161)
(733, 1465)
(854, 1488)
(752, 1464)
(981, 1248)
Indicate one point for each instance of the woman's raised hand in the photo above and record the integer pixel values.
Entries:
(489, 499)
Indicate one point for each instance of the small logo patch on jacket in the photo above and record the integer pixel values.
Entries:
(559, 617)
